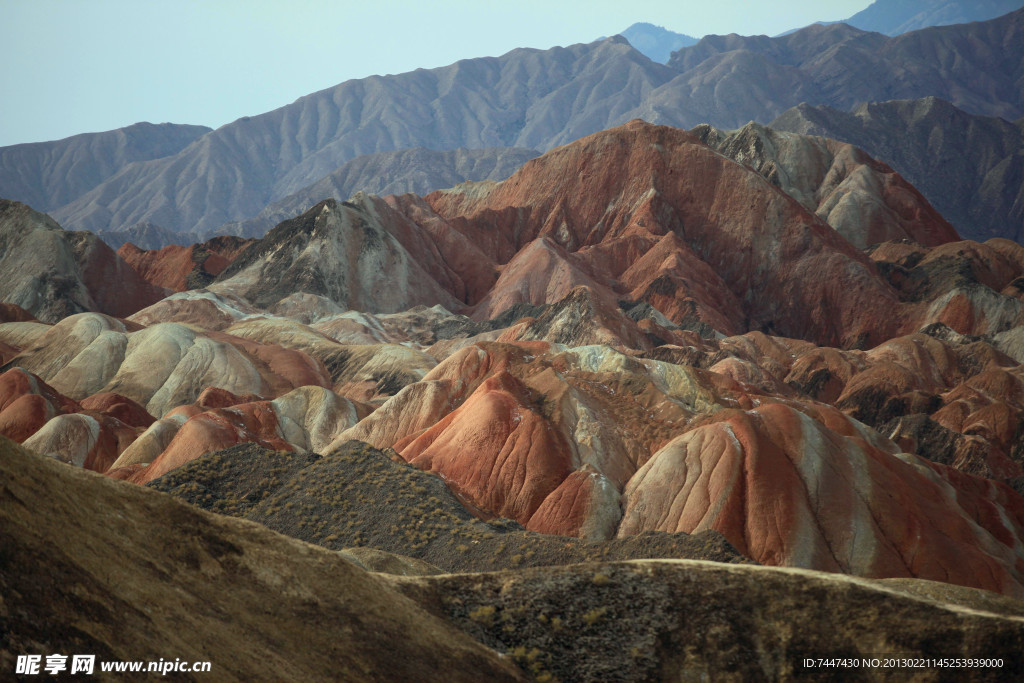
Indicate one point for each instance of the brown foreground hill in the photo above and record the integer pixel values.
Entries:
(172, 581)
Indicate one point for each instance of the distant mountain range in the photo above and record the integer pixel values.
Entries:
(538, 99)
(656, 42)
(734, 79)
(893, 17)
(50, 174)
(417, 170)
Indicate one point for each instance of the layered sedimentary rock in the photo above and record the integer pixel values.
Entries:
(640, 213)
(364, 372)
(550, 437)
(638, 333)
(27, 403)
(864, 200)
(611, 197)
(338, 250)
(202, 309)
(90, 434)
(674, 230)
(951, 398)
(788, 490)
(304, 419)
(209, 391)
(162, 366)
(978, 186)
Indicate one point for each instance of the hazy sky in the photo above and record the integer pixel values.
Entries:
(76, 66)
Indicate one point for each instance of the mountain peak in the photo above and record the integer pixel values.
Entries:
(618, 38)
(656, 42)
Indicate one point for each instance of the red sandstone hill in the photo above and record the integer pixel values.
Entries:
(615, 196)
(642, 213)
(179, 268)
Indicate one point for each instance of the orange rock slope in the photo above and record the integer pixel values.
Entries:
(551, 437)
(610, 198)
(179, 268)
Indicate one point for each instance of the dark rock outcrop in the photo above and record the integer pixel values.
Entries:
(354, 495)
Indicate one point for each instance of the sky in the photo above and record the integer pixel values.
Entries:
(78, 66)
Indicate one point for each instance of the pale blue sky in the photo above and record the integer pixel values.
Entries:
(76, 66)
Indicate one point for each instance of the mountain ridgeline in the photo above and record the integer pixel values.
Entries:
(893, 17)
(417, 171)
(48, 175)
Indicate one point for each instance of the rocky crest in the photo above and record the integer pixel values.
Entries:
(861, 198)
(656, 42)
(180, 268)
(894, 17)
